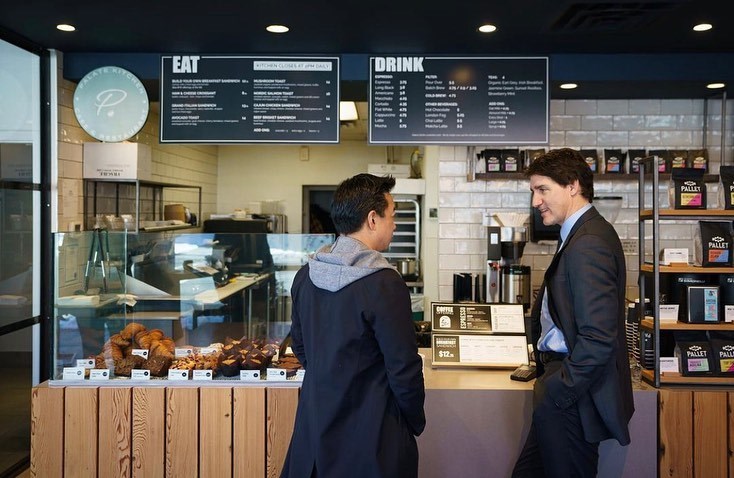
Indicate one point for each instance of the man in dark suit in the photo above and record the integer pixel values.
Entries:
(361, 404)
(583, 393)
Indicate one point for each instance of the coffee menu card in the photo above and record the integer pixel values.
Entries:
(249, 99)
(458, 100)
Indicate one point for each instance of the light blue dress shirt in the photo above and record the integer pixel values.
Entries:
(551, 337)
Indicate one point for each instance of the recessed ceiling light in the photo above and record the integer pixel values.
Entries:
(702, 27)
(569, 86)
(487, 28)
(715, 86)
(64, 27)
(277, 28)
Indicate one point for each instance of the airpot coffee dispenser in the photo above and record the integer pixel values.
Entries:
(508, 281)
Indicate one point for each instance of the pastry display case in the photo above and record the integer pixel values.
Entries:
(165, 306)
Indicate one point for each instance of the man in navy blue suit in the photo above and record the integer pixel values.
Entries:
(583, 393)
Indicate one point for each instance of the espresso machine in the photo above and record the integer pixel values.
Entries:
(507, 280)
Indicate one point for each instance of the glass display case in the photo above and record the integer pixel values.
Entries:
(170, 306)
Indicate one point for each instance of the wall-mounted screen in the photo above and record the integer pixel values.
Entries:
(458, 100)
(249, 99)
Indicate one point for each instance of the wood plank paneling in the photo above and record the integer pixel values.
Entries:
(215, 434)
(709, 434)
(148, 438)
(80, 430)
(47, 432)
(281, 414)
(676, 434)
(115, 429)
(182, 432)
(248, 432)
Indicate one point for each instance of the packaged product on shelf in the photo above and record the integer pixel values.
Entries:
(510, 161)
(726, 187)
(663, 159)
(592, 159)
(713, 244)
(698, 158)
(678, 159)
(703, 304)
(722, 345)
(615, 161)
(695, 358)
(636, 156)
(493, 160)
(533, 154)
(687, 189)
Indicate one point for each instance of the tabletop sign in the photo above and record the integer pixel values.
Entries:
(182, 352)
(203, 375)
(140, 353)
(85, 363)
(460, 317)
(250, 375)
(504, 351)
(276, 374)
(458, 100)
(73, 373)
(249, 99)
(99, 374)
(139, 374)
(174, 374)
(207, 350)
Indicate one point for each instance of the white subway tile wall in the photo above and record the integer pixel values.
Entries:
(588, 124)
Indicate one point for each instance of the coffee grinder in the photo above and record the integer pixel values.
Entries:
(507, 281)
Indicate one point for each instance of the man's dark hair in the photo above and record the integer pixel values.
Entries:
(564, 166)
(356, 197)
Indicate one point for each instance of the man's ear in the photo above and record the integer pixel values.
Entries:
(372, 220)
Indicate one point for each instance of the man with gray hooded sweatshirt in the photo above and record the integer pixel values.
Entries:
(361, 404)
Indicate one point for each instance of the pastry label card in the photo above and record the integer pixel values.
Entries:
(85, 363)
(141, 353)
(203, 375)
(276, 374)
(174, 374)
(73, 373)
(99, 374)
(250, 375)
(140, 374)
(183, 352)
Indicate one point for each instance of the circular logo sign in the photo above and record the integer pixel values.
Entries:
(111, 104)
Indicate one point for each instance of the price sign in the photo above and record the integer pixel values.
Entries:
(458, 100)
(99, 374)
(141, 353)
(178, 374)
(203, 375)
(250, 375)
(85, 363)
(73, 373)
(140, 374)
(276, 374)
(183, 352)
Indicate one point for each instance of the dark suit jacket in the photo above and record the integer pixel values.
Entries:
(362, 397)
(585, 284)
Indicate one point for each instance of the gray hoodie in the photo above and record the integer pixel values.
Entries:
(337, 265)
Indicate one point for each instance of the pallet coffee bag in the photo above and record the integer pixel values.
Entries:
(592, 159)
(615, 160)
(726, 187)
(713, 244)
(687, 189)
(695, 358)
(723, 354)
(699, 159)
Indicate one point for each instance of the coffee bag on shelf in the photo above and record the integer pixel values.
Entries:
(615, 160)
(678, 159)
(698, 159)
(636, 156)
(695, 358)
(592, 159)
(687, 189)
(726, 187)
(713, 244)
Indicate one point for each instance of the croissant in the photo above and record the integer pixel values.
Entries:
(132, 329)
(111, 350)
(118, 340)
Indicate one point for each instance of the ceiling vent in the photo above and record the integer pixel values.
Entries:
(610, 16)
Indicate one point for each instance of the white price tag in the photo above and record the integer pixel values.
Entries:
(140, 374)
(141, 353)
(729, 313)
(99, 374)
(73, 373)
(174, 374)
(300, 374)
(183, 352)
(203, 374)
(276, 374)
(85, 363)
(669, 364)
(207, 350)
(250, 375)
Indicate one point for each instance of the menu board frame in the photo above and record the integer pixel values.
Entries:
(219, 108)
(393, 120)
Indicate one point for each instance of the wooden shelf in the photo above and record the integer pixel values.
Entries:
(649, 324)
(689, 269)
(687, 214)
(649, 377)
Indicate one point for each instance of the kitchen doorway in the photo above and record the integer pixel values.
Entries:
(316, 214)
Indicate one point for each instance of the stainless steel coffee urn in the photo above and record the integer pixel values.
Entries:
(507, 280)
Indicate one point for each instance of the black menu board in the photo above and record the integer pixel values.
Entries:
(249, 99)
(458, 100)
